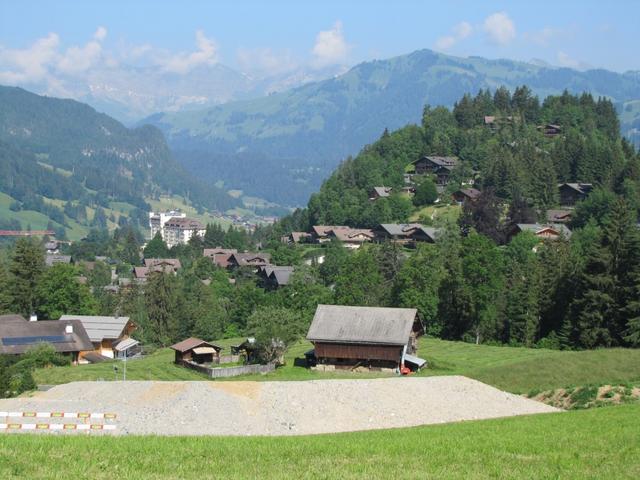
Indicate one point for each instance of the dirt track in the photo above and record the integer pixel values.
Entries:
(278, 408)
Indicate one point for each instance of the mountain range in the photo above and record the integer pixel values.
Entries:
(63, 160)
(280, 147)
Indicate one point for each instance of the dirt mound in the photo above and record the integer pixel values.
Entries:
(281, 408)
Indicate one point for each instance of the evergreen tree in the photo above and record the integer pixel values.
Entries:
(26, 267)
(161, 299)
(59, 292)
(156, 248)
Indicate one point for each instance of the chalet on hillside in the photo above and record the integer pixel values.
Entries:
(406, 233)
(352, 238)
(559, 216)
(322, 233)
(441, 167)
(18, 335)
(296, 237)
(379, 192)
(104, 332)
(197, 351)
(572, 193)
(219, 256)
(53, 259)
(493, 121)
(375, 338)
(275, 277)
(249, 259)
(544, 232)
(156, 265)
(550, 129)
(466, 195)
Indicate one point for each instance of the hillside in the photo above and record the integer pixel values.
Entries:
(282, 146)
(66, 161)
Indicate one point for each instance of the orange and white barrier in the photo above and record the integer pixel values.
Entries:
(81, 415)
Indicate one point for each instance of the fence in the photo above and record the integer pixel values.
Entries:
(224, 372)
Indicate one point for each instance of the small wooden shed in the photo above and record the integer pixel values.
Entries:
(196, 350)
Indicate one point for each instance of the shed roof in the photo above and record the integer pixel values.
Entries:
(17, 337)
(100, 327)
(370, 325)
(191, 343)
(125, 344)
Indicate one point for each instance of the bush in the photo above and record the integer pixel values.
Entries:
(426, 193)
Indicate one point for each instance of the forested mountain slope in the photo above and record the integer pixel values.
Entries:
(282, 146)
(75, 157)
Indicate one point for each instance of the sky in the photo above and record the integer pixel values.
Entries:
(44, 40)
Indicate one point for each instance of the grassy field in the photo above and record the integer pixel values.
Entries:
(599, 443)
(435, 212)
(518, 370)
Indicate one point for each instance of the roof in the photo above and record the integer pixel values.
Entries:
(140, 272)
(417, 361)
(431, 232)
(17, 337)
(439, 161)
(298, 236)
(95, 357)
(537, 228)
(191, 343)
(213, 252)
(249, 258)
(184, 223)
(382, 191)
(471, 193)
(100, 327)
(554, 216)
(11, 318)
(400, 229)
(162, 263)
(125, 344)
(281, 275)
(583, 188)
(325, 230)
(53, 259)
(370, 325)
(353, 234)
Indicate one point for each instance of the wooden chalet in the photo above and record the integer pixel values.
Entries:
(544, 232)
(572, 193)
(104, 332)
(466, 195)
(53, 259)
(441, 167)
(296, 237)
(352, 238)
(380, 192)
(219, 256)
(406, 233)
(322, 233)
(197, 351)
(550, 129)
(249, 259)
(275, 277)
(559, 216)
(375, 338)
(67, 337)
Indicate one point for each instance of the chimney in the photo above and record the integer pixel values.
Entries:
(68, 329)
(33, 317)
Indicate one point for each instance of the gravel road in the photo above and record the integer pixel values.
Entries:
(277, 408)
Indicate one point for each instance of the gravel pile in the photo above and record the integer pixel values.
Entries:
(279, 408)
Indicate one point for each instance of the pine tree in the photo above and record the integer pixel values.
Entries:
(26, 267)
(161, 300)
(156, 248)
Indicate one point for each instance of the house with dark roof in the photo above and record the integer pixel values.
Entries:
(465, 195)
(559, 216)
(219, 256)
(406, 233)
(550, 129)
(380, 192)
(352, 238)
(296, 237)
(322, 233)
(372, 338)
(275, 276)
(572, 193)
(249, 259)
(18, 335)
(439, 166)
(544, 232)
(196, 350)
(154, 265)
(104, 332)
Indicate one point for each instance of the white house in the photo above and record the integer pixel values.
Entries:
(179, 230)
(157, 220)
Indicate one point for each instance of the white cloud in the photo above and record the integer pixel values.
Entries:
(30, 64)
(80, 59)
(500, 28)
(459, 32)
(100, 34)
(206, 54)
(265, 60)
(330, 47)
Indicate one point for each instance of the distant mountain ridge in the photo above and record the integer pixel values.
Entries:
(56, 153)
(282, 146)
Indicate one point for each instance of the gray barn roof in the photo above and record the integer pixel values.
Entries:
(370, 325)
(100, 328)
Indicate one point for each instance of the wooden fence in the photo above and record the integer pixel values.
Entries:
(223, 372)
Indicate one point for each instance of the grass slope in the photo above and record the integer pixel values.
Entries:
(583, 444)
(518, 370)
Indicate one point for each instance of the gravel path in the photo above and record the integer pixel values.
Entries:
(278, 408)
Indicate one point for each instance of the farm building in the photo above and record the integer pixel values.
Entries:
(104, 332)
(197, 351)
(374, 338)
(18, 335)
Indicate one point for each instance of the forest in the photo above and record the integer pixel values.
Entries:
(475, 283)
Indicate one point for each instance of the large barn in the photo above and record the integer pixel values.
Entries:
(371, 338)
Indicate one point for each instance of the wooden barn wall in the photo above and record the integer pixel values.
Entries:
(361, 352)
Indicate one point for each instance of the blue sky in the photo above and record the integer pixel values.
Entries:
(44, 38)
